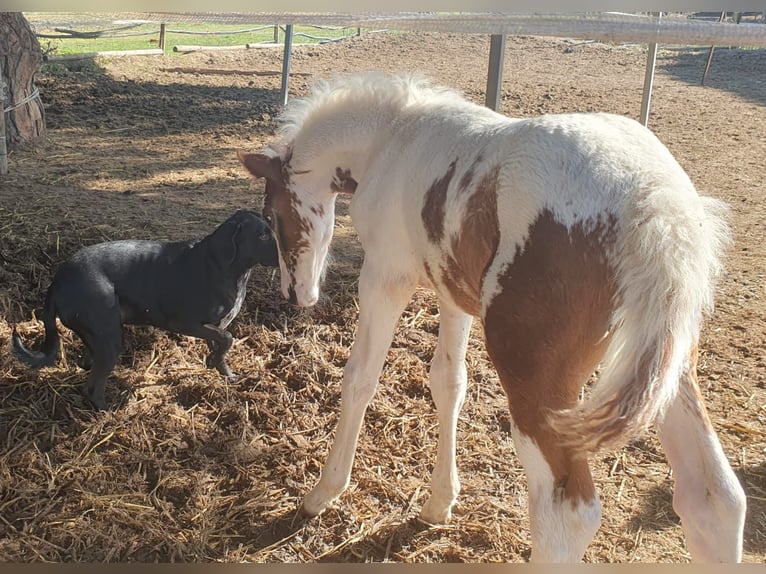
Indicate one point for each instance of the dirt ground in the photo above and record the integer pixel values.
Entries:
(187, 467)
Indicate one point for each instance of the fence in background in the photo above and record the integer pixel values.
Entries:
(677, 28)
(126, 30)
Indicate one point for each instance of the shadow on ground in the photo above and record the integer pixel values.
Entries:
(736, 70)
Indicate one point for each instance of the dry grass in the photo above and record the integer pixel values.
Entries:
(187, 467)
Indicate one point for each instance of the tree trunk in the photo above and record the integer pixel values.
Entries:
(20, 55)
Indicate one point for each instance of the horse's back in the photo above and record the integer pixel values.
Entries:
(578, 166)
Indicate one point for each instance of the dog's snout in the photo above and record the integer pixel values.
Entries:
(270, 251)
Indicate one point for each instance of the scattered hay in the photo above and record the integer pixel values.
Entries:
(188, 467)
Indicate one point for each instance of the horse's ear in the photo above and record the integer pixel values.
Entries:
(261, 164)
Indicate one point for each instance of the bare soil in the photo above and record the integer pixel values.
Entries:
(188, 467)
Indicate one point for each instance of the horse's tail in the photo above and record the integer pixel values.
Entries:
(667, 257)
(49, 352)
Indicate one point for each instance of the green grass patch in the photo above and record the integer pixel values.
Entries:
(119, 37)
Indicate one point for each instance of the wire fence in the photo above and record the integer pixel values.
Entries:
(62, 28)
(673, 28)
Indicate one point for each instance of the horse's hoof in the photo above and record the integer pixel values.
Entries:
(314, 505)
(434, 516)
(308, 513)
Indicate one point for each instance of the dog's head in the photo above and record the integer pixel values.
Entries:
(245, 240)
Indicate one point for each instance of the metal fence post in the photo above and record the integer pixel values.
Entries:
(651, 61)
(286, 62)
(162, 36)
(495, 71)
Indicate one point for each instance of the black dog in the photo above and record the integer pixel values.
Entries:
(194, 288)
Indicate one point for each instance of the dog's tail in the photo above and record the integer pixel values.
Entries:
(49, 352)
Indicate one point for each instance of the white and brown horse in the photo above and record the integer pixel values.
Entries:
(577, 239)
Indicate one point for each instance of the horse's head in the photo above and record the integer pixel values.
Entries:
(300, 208)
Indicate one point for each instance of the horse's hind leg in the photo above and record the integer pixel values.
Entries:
(541, 373)
(564, 509)
(448, 380)
(546, 330)
(708, 497)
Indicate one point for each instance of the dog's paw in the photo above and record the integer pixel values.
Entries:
(221, 367)
(99, 403)
(228, 373)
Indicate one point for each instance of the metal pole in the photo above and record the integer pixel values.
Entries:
(276, 33)
(162, 36)
(710, 55)
(286, 62)
(495, 71)
(707, 65)
(651, 60)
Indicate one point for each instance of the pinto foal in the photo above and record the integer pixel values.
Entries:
(577, 239)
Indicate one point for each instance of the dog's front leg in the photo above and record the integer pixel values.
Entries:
(218, 342)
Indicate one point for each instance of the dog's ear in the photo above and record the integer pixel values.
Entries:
(224, 242)
(234, 245)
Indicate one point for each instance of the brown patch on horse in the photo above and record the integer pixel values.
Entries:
(342, 182)
(473, 249)
(433, 210)
(547, 329)
(280, 204)
(467, 179)
(429, 273)
(689, 392)
(290, 228)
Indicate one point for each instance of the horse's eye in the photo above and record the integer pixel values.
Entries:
(268, 219)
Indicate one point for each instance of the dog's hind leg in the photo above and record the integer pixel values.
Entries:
(104, 350)
(102, 338)
(89, 306)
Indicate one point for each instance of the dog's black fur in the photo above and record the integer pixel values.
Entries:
(194, 288)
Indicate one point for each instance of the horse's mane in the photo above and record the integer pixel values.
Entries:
(369, 89)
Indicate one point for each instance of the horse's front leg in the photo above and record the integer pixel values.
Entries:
(382, 300)
(448, 378)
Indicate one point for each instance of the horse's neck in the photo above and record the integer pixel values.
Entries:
(343, 140)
